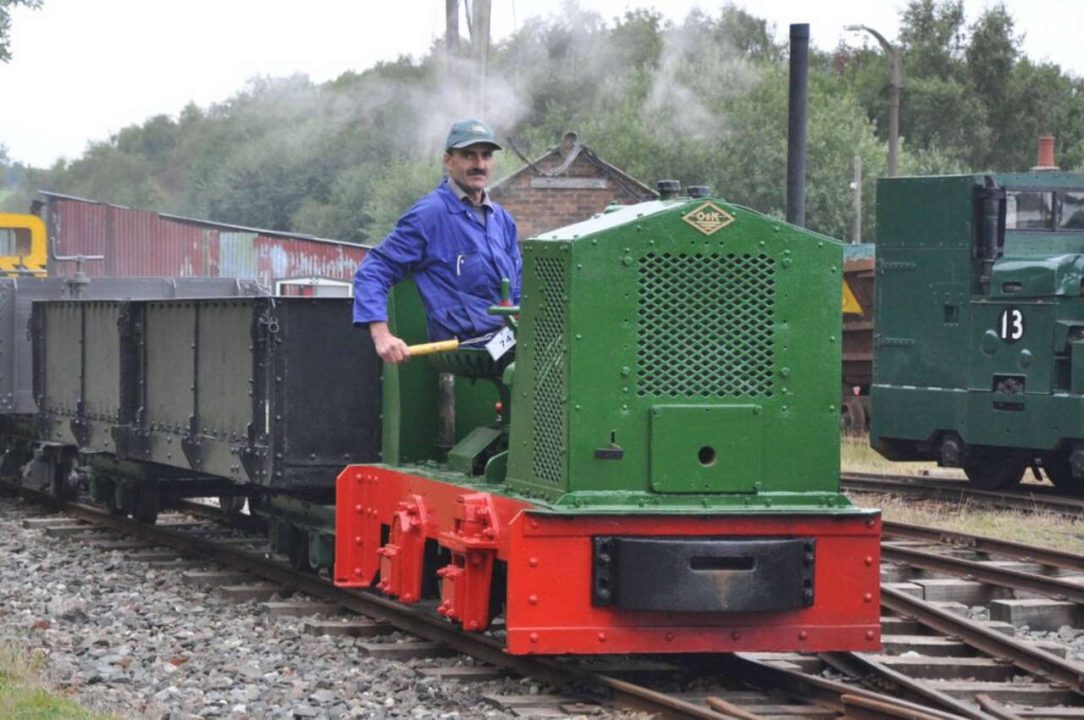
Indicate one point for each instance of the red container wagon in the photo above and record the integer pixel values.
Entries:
(141, 243)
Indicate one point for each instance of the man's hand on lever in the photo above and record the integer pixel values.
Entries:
(393, 350)
(390, 348)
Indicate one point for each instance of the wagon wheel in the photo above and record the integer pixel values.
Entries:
(258, 518)
(993, 470)
(63, 489)
(112, 503)
(299, 549)
(146, 506)
(852, 416)
(231, 505)
(1060, 473)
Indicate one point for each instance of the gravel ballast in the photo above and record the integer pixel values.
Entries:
(121, 637)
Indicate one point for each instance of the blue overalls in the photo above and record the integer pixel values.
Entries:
(457, 261)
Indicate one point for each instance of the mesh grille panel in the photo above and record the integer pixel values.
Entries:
(705, 325)
(548, 421)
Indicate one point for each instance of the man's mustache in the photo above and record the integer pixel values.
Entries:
(476, 172)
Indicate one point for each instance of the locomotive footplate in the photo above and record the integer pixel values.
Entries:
(670, 574)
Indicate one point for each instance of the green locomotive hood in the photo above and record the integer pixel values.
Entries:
(1036, 277)
(667, 350)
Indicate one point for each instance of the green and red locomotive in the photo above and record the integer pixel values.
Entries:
(655, 470)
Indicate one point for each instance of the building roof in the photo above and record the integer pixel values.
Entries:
(201, 222)
(565, 154)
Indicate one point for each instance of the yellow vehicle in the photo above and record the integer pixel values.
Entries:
(22, 245)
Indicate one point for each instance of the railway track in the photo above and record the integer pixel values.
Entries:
(1026, 497)
(907, 681)
(988, 600)
(618, 683)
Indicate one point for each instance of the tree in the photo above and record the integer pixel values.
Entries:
(991, 54)
(637, 38)
(703, 101)
(5, 23)
(931, 34)
(107, 173)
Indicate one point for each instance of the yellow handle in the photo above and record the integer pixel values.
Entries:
(433, 347)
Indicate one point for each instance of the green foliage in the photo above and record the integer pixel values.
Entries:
(703, 101)
(5, 23)
(970, 101)
(931, 35)
(749, 36)
(21, 698)
(395, 187)
(637, 38)
(30, 703)
(106, 171)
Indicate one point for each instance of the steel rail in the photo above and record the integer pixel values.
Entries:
(854, 702)
(1034, 497)
(1023, 655)
(415, 621)
(622, 693)
(857, 664)
(984, 543)
(995, 709)
(984, 572)
(858, 707)
(832, 694)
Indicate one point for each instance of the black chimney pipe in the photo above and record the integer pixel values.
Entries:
(799, 94)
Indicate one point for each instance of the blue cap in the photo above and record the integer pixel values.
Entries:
(470, 132)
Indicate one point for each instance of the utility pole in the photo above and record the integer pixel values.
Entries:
(451, 27)
(856, 205)
(895, 85)
(479, 37)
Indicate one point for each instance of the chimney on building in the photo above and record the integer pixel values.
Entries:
(1046, 154)
(568, 142)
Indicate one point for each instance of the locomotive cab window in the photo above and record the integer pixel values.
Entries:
(1044, 210)
(1071, 210)
(1029, 210)
(14, 241)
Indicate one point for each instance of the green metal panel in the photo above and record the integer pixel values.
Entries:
(410, 389)
(539, 441)
(1028, 359)
(410, 400)
(705, 448)
(642, 310)
(1040, 422)
(1077, 368)
(464, 455)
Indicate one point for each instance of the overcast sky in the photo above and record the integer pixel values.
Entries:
(84, 69)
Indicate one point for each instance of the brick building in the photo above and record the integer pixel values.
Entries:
(567, 184)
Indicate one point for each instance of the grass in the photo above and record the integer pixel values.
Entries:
(1039, 527)
(1042, 528)
(23, 698)
(855, 455)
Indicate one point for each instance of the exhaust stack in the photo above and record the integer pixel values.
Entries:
(796, 117)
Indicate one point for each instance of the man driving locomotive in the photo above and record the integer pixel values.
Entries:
(457, 243)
